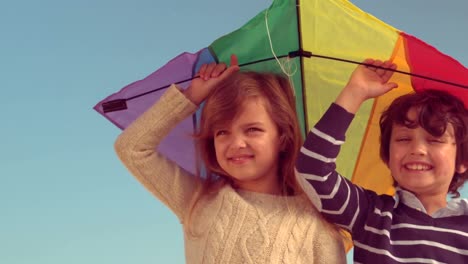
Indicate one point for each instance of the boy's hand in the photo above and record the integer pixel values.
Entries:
(210, 75)
(366, 82)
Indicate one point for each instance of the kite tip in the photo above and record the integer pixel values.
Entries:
(114, 105)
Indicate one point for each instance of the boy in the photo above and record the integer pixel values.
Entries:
(424, 144)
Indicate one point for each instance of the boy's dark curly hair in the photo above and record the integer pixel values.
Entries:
(437, 109)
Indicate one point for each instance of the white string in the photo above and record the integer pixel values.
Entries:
(289, 63)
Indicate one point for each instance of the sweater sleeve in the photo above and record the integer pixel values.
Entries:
(337, 198)
(137, 146)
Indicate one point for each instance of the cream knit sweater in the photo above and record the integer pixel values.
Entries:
(233, 226)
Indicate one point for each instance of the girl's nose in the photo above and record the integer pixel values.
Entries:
(238, 142)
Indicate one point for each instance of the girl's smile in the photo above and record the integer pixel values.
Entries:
(241, 159)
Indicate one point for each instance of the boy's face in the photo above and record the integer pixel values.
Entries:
(420, 162)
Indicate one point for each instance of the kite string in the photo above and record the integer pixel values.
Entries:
(289, 72)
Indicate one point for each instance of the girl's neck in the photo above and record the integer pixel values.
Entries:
(270, 187)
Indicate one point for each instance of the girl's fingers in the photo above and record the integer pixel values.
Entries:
(222, 67)
(218, 69)
(234, 61)
(202, 71)
(214, 69)
(209, 70)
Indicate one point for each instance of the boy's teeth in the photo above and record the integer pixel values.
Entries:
(419, 167)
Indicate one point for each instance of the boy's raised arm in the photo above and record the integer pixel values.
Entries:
(369, 80)
(340, 200)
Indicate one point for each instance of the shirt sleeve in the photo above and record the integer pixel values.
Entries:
(137, 146)
(336, 197)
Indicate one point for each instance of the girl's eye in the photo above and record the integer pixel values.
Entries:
(435, 140)
(253, 130)
(220, 133)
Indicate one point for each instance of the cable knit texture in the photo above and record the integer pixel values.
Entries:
(233, 226)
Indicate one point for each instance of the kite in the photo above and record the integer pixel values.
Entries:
(318, 44)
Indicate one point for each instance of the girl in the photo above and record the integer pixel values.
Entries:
(247, 207)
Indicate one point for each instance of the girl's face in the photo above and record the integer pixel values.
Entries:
(420, 162)
(248, 148)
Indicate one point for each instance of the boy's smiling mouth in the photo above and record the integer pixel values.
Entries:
(418, 166)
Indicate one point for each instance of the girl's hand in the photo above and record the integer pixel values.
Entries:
(367, 81)
(210, 75)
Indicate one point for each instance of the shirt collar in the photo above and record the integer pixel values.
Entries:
(454, 207)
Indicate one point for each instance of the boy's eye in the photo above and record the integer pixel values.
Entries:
(436, 140)
(403, 139)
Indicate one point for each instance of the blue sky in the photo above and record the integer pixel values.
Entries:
(64, 196)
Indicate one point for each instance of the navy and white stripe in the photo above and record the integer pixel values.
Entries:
(383, 230)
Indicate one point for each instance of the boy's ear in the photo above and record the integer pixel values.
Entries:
(462, 168)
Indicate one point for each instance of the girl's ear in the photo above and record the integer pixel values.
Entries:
(282, 142)
(462, 168)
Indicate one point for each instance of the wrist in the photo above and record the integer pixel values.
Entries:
(349, 100)
(191, 96)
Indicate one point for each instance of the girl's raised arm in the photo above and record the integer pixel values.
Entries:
(137, 145)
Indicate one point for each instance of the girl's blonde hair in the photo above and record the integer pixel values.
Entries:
(224, 104)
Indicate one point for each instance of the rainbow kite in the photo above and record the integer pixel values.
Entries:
(319, 43)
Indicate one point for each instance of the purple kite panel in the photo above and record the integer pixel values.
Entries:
(178, 145)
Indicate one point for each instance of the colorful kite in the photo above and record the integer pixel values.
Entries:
(319, 43)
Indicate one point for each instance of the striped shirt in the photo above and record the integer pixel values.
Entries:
(385, 229)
